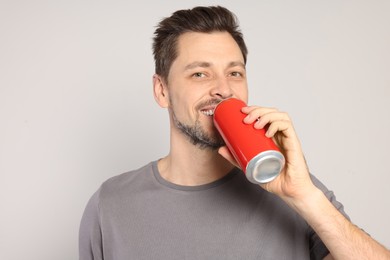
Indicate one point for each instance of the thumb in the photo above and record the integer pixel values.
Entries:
(225, 153)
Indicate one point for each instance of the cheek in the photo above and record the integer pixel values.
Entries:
(241, 92)
(178, 105)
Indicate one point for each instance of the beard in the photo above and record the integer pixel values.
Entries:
(197, 135)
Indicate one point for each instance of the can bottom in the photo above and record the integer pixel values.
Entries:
(265, 167)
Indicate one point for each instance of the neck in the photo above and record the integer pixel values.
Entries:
(187, 164)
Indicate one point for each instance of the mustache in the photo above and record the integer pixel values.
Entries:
(210, 102)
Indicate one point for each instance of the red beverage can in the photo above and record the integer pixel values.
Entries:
(257, 155)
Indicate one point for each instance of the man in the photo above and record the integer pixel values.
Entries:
(195, 203)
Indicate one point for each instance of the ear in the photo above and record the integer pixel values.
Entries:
(160, 91)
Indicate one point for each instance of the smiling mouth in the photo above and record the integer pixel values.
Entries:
(207, 112)
(207, 108)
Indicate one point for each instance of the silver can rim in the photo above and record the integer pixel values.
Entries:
(252, 170)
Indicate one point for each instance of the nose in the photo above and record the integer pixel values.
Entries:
(221, 89)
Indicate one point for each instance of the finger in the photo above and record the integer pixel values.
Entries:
(266, 186)
(249, 109)
(270, 118)
(254, 113)
(278, 126)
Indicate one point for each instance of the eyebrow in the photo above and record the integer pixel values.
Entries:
(205, 64)
(236, 63)
(202, 64)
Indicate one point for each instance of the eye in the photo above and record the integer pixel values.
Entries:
(236, 74)
(198, 75)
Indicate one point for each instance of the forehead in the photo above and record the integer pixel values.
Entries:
(195, 46)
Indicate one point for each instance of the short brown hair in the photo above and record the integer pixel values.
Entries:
(198, 19)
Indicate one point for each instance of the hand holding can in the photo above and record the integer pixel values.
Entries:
(257, 155)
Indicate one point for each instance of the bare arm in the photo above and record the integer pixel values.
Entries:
(343, 239)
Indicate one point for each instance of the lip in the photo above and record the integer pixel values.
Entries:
(208, 111)
(208, 107)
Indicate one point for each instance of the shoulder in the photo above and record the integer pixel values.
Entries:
(127, 177)
(126, 183)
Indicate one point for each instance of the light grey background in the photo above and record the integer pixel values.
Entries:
(76, 104)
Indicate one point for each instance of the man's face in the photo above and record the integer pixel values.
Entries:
(209, 68)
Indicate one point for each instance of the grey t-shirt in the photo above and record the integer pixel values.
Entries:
(140, 215)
